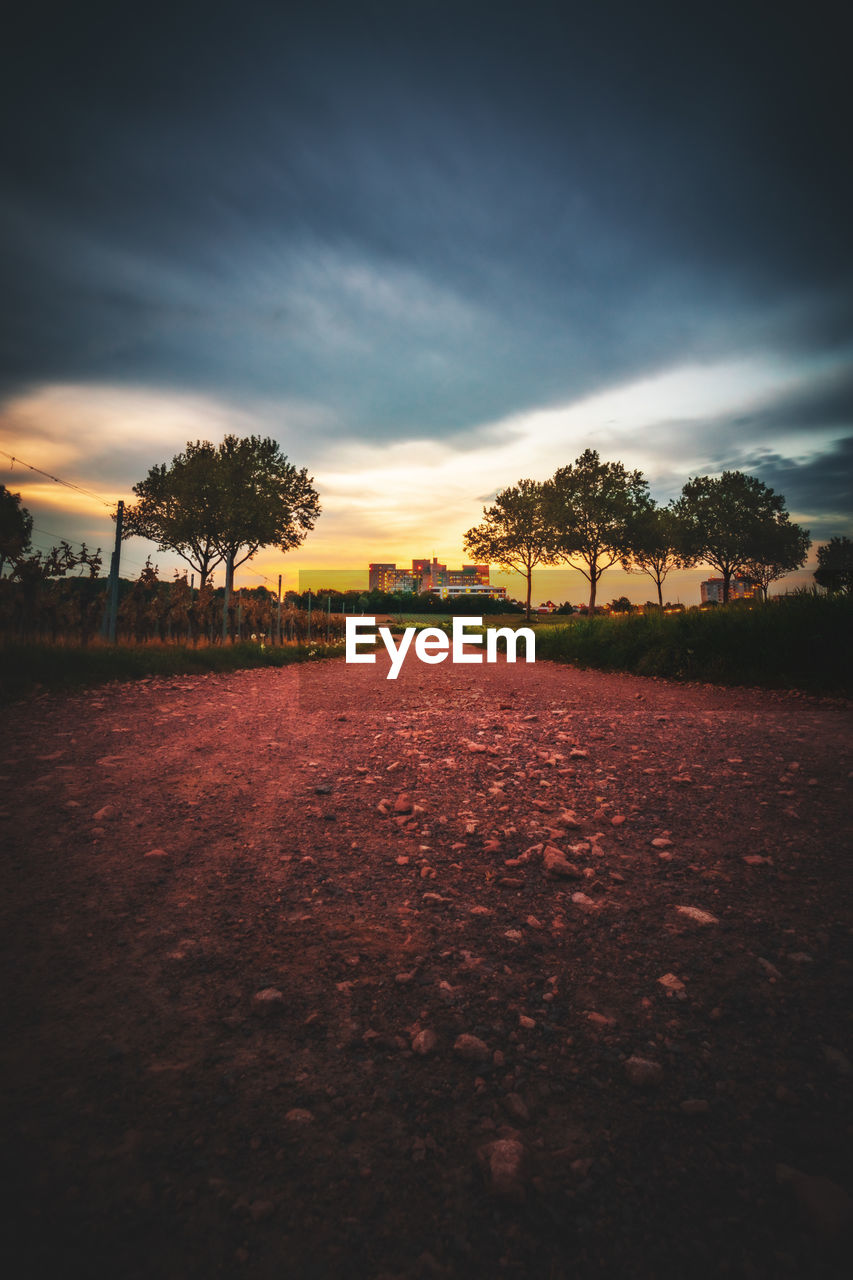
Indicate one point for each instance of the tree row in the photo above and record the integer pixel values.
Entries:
(592, 515)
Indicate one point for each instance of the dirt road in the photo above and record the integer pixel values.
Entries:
(502, 970)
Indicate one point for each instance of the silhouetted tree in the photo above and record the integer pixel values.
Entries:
(16, 526)
(262, 500)
(515, 533)
(179, 508)
(658, 545)
(777, 548)
(592, 512)
(213, 505)
(834, 569)
(728, 520)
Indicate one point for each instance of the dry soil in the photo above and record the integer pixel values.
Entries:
(501, 970)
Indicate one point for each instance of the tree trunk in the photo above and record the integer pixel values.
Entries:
(529, 590)
(593, 584)
(660, 591)
(727, 578)
(229, 584)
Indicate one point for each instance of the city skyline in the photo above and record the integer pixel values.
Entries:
(431, 250)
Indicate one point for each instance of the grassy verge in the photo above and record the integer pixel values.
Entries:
(801, 641)
(445, 620)
(37, 667)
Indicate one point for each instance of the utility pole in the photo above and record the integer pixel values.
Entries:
(108, 629)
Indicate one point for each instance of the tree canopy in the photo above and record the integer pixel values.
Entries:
(776, 548)
(592, 510)
(739, 525)
(179, 508)
(515, 533)
(263, 500)
(223, 504)
(834, 569)
(658, 544)
(16, 527)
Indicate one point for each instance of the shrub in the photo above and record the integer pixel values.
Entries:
(795, 641)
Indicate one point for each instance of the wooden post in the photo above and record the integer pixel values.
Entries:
(229, 584)
(108, 629)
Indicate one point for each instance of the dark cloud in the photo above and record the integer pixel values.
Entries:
(821, 487)
(423, 216)
(826, 404)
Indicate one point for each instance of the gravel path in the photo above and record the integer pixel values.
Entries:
(499, 970)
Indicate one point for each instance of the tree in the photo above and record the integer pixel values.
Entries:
(592, 509)
(777, 548)
(178, 508)
(727, 520)
(835, 565)
(262, 501)
(16, 527)
(223, 504)
(515, 533)
(658, 545)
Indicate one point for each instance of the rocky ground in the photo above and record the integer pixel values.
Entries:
(509, 970)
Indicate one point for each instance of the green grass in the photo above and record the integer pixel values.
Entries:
(25, 669)
(446, 619)
(801, 641)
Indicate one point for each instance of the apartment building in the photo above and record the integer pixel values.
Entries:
(431, 576)
(712, 590)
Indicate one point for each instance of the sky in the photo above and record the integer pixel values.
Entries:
(431, 249)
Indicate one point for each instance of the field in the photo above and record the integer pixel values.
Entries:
(523, 971)
(795, 642)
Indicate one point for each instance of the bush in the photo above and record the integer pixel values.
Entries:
(27, 667)
(796, 641)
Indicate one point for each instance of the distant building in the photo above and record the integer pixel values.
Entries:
(431, 576)
(473, 589)
(387, 577)
(712, 590)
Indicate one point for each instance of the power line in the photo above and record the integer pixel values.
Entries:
(89, 494)
(74, 543)
(57, 479)
(49, 534)
(256, 574)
